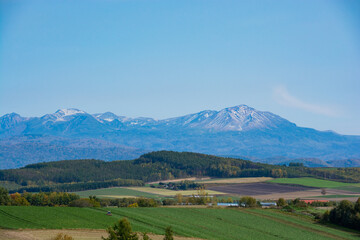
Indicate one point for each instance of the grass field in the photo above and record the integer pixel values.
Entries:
(336, 196)
(115, 192)
(191, 222)
(235, 180)
(170, 193)
(311, 182)
(353, 188)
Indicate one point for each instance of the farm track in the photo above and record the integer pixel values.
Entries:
(274, 218)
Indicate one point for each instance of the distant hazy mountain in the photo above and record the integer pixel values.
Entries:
(235, 131)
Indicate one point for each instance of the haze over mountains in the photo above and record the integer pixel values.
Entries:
(236, 131)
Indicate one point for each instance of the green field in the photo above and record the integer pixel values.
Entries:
(115, 192)
(336, 196)
(353, 188)
(191, 222)
(311, 182)
(234, 180)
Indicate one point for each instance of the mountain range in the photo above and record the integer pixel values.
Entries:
(239, 131)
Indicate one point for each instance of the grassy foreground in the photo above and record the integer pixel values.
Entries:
(311, 182)
(191, 222)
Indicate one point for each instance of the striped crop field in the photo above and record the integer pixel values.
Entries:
(205, 223)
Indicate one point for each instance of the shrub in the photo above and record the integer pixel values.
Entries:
(168, 234)
(4, 197)
(248, 201)
(61, 236)
(169, 201)
(121, 231)
(145, 236)
(134, 205)
(281, 202)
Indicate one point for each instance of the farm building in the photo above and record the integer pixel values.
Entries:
(268, 204)
(228, 204)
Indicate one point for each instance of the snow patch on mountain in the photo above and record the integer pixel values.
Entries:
(68, 112)
(109, 117)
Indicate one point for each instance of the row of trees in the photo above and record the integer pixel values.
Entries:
(36, 199)
(183, 185)
(130, 202)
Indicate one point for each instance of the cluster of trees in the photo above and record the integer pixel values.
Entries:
(130, 202)
(76, 175)
(123, 230)
(297, 203)
(346, 214)
(70, 199)
(183, 185)
(36, 199)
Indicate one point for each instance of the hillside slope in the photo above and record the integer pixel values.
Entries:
(156, 166)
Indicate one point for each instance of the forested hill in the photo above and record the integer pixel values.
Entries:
(160, 166)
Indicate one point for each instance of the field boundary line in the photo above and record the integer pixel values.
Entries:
(20, 219)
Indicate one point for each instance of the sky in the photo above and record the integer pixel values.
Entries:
(167, 58)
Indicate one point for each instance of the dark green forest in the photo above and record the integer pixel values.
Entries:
(75, 175)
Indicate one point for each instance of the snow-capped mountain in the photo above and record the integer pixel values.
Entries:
(63, 115)
(233, 131)
(238, 118)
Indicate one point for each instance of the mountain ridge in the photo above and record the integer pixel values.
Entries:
(238, 131)
(237, 118)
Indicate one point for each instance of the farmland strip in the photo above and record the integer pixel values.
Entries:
(274, 218)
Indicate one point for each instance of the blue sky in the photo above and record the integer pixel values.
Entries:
(166, 58)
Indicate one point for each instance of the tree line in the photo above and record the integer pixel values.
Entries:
(36, 199)
(72, 187)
